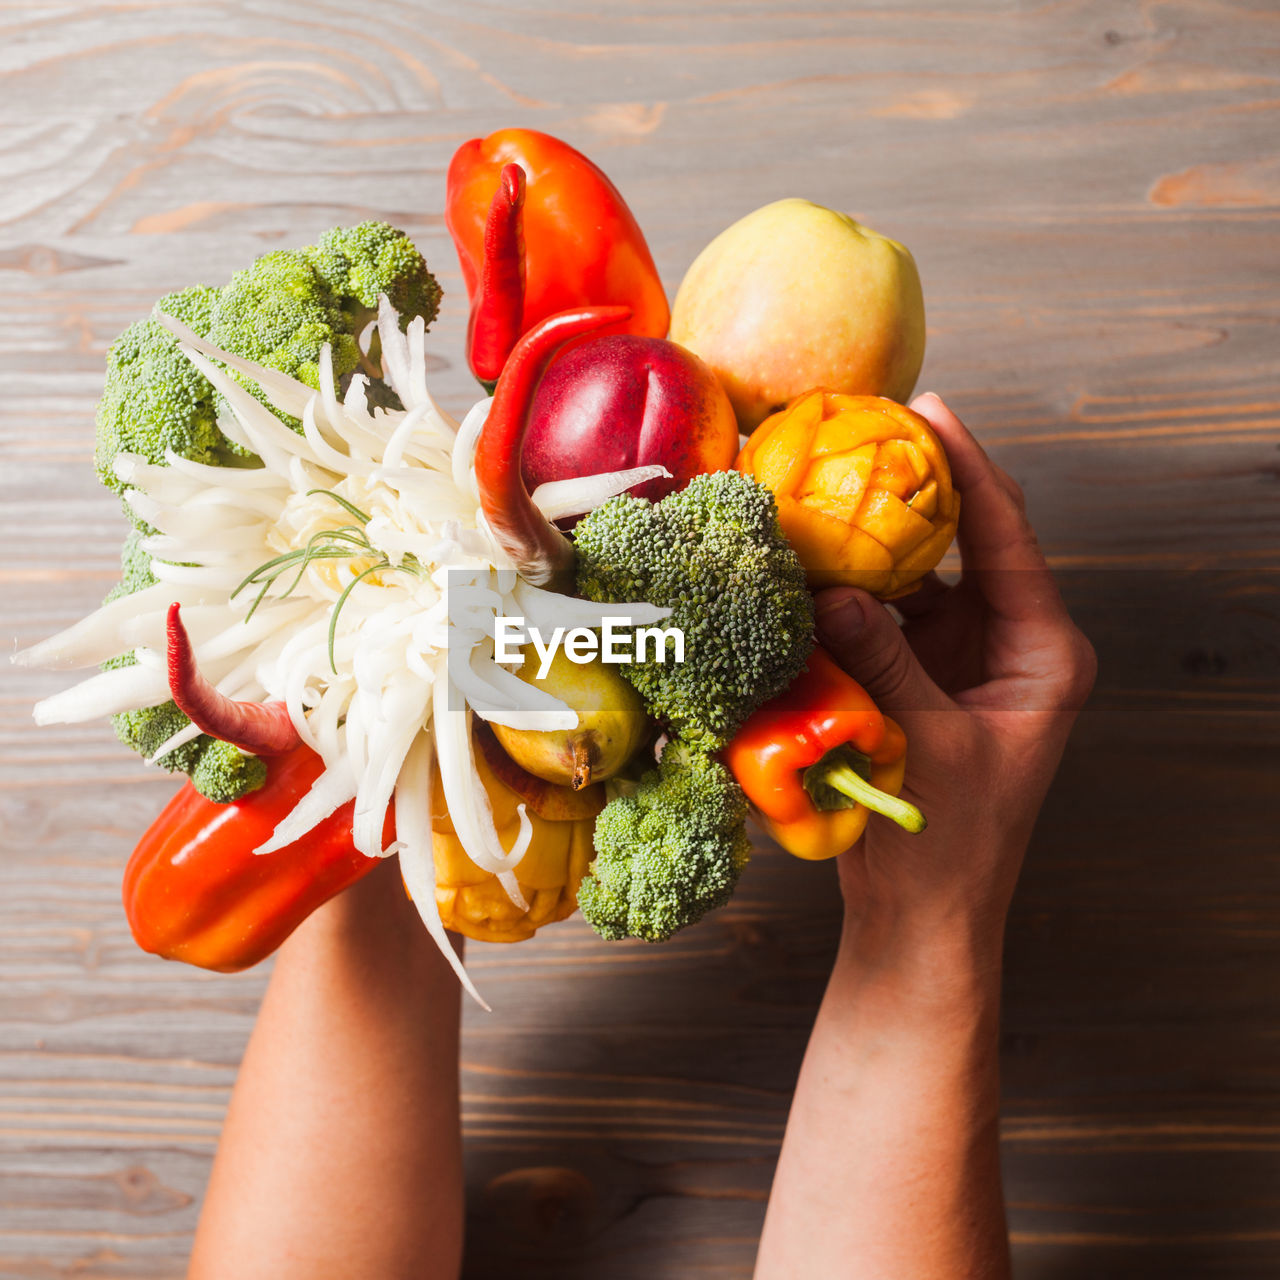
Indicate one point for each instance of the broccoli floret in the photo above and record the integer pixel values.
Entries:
(282, 310)
(279, 312)
(714, 553)
(219, 771)
(154, 398)
(360, 263)
(224, 773)
(668, 854)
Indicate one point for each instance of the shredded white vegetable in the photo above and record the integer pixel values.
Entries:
(102, 635)
(559, 498)
(388, 681)
(417, 859)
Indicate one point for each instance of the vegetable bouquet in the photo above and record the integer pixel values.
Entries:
(336, 597)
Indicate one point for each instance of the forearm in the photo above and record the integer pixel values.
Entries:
(890, 1165)
(341, 1152)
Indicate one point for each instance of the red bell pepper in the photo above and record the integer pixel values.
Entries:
(581, 245)
(194, 889)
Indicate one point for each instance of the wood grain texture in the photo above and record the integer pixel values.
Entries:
(1091, 189)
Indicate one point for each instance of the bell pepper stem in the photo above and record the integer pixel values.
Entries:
(842, 775)
(845, 779)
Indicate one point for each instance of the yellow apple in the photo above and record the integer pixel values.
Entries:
(796, 296)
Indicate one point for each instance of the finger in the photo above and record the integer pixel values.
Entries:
(1012, 488)
(997, 544)
(924, 599)
(861, 635)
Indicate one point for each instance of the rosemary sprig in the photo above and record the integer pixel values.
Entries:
(341, 501)
(341, 600)
(346, 542)
(311, 552)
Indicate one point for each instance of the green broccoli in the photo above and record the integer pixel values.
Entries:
(223, 773)
(282, 310)
(714, 553)
(668, 854)
(361, 263)
(154, 398)
(279, 312)
(218, 770)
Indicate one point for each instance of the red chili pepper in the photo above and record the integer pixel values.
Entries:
(497, 307)
(194, 889)
(542, 554)
(260, 728)
(581, 246)
(815, 760)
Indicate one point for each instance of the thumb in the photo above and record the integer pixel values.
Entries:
(861, 635)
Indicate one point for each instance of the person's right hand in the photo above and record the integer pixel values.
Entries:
(986, 678)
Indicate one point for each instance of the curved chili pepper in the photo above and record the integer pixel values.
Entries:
(194, 889)
(581, 244)
(543, 555)
(817, 759)
(497, 309)
(260, 728)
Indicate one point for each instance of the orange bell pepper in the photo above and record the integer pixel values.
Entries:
(818, 759)
(557, 236)
(863, 487)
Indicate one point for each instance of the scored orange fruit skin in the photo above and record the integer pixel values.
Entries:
(863, 488)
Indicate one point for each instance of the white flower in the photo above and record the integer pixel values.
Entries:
(323, 579)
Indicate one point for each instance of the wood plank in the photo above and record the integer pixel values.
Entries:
(1091, 189)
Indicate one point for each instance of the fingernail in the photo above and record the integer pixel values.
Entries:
(839, 613)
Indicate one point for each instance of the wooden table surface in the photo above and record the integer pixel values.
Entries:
(1091, 190)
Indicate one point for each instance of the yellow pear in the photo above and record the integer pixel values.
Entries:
(611, 722)
(796, 296)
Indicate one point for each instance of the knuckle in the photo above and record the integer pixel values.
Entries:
(1086, 665)
(886, 670)
(1077, 666)
(1012, 488)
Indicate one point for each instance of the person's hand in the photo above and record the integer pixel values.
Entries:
(891, 1161)
(985, 677)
